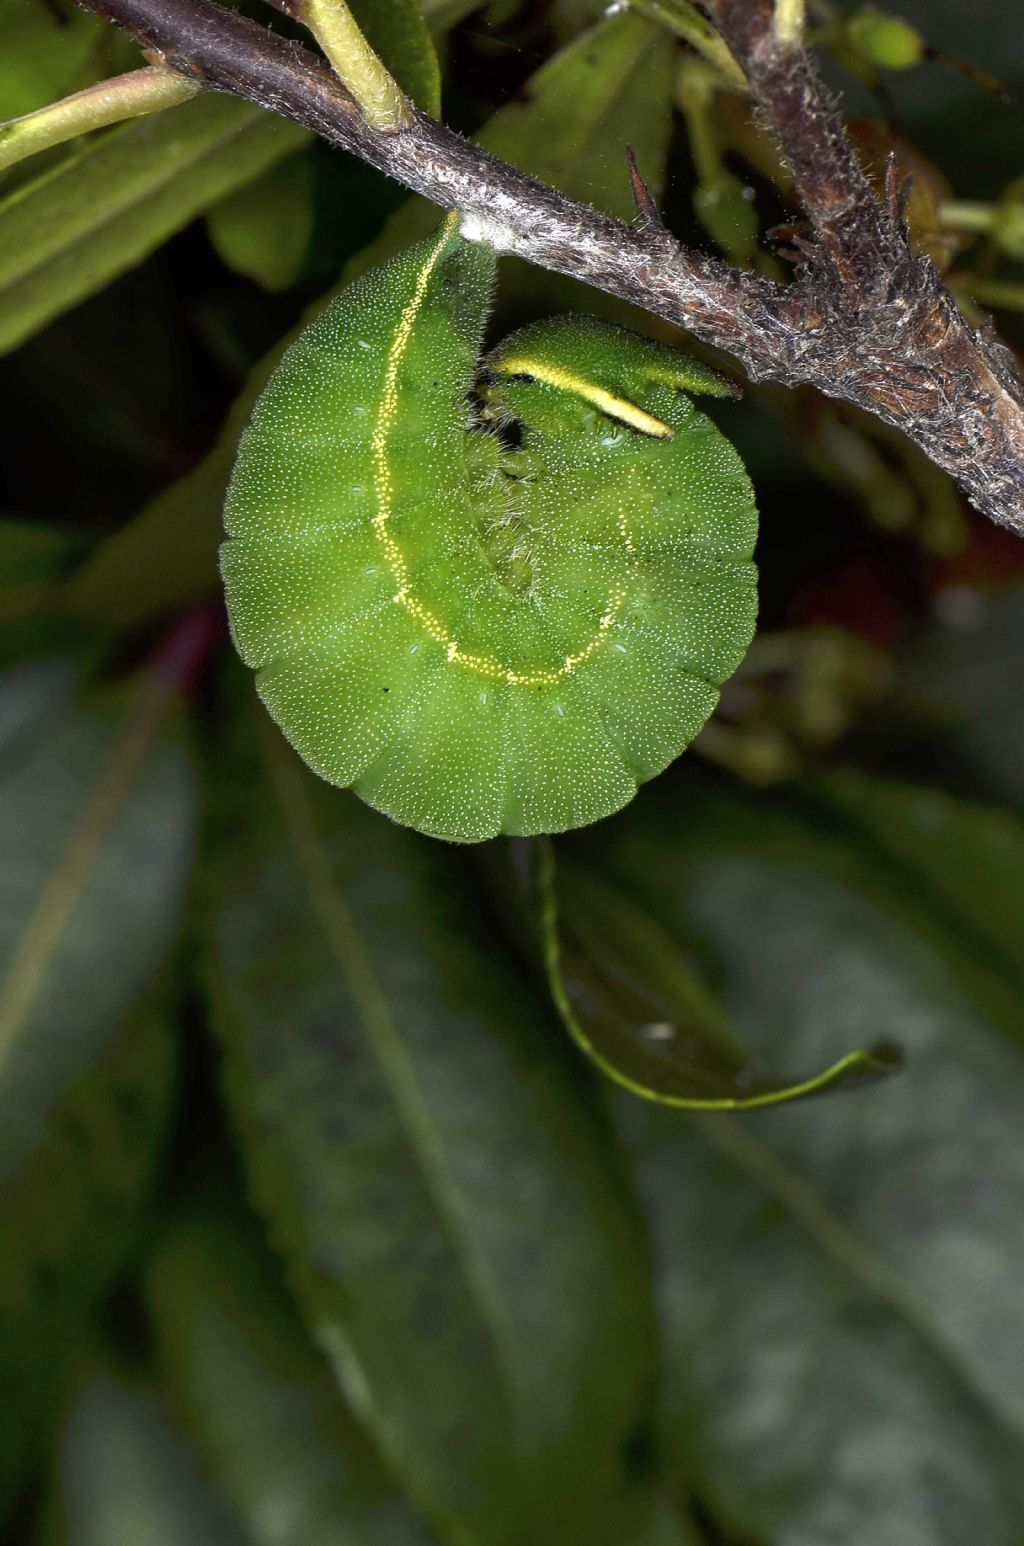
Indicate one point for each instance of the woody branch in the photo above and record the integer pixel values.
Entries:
(865, 319)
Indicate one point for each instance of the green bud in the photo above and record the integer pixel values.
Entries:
(886, 40)
(1008, 228)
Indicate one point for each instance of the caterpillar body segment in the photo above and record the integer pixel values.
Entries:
(492, 610)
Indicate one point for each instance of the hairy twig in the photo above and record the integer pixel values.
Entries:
(865, 320)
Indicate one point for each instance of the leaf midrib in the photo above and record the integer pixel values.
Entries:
(345, 944)
(62, 892)
(35, 261)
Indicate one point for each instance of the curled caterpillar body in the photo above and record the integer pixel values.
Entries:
(486, 617)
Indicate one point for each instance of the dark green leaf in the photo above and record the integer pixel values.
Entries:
(33, 561)
(101, 211)
(806, 1396)
(125, 1478)
(958, 867)
(649, 1519)
(98, 817)
(31, 691)
(96, 820)
(166, 556)
(446, 1201)
(264, 229)
(635, 1005)
(608, 88)
(46, 52)
(68, 1221)
(259, 1403)
(844, 1350)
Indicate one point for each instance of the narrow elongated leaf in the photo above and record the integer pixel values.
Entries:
(637, 1008)
(166, 556)
(97, 825)
(844, 1350)
(446, 1202)
(125, 1476)
(97, 816)
(33, 561)
(259, 1403)
(99, 212)
(610, 88)
(69, 1219)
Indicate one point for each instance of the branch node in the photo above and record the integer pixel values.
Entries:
(356, 65)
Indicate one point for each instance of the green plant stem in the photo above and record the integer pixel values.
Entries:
(1003, 294)
(789, 23)
(963, 215)
(107, 102)
(355, 64)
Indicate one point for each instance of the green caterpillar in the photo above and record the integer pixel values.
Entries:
(488, 597)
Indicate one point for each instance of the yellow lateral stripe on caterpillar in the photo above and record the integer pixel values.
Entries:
(486, 665)
(615, 407)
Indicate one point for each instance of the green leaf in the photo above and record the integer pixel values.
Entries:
(258, 1402)
(634, 1004)
(804, 1394)
(126, 1477)
(843, 1346)
(608, 88)
(97, 213)
(33, 562)
(167, 555)
(446, 1201)
(649, 1519)
(46, 52)
(96, 819)
(397, 31)
(94, 810)
(31, 691)
(264, 230)
(959, 867)
(70, 1219)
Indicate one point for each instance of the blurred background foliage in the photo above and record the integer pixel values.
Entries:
(316, 1227)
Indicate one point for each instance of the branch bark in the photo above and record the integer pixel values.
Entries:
(865, 320)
